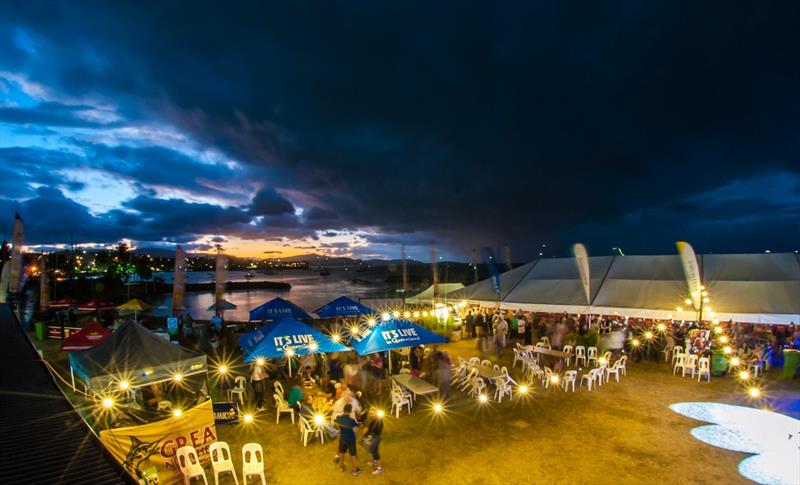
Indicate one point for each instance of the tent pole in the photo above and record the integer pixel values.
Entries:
(390, 361)
(289, 363)
(72, 377)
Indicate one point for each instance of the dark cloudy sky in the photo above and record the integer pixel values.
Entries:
(353, 127)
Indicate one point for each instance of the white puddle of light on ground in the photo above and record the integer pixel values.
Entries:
(773, 438)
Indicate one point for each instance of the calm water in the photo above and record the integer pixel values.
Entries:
(309, 290)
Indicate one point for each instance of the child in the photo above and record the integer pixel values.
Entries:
(347, 439)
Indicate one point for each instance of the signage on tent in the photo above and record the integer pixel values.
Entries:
(279, 311)
(400, 335)
(346, 308)
(290, 341)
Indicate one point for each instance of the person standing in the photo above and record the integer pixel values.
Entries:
(470, 324)
(258, 377)
(500, 332)
(444, 372)
(347, 440)
(372, 440)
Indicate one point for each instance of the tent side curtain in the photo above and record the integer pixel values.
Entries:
(754, 288)
(136, 354)
(426, 296)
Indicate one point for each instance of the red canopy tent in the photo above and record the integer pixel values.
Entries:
(63, 303)
(96, 305)
(89, 336)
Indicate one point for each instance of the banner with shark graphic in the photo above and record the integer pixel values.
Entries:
(154, 444)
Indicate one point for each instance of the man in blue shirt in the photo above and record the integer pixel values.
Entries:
(347, 439)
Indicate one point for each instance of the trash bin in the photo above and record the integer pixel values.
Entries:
(719, 364)
(791, 359)
(39, 328)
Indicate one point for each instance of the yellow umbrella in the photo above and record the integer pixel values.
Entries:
(136, 305)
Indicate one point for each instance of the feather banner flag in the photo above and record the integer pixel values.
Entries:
(582, 260)
(692, 272)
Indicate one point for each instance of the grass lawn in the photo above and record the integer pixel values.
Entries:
(620, 433)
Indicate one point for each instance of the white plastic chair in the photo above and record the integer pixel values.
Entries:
(690, 364)
(590, 378)
(517, 356)
(545, 340)
(703, 369)
(486, 363)
(591, 355)
(253, 462)
(568, 350)
(281, 406)
(307, 429)
(164, 406)
(398, 401)
(614, 369)
(676, 351)
(756, 368)
(221, 461)
(501, 388)
(474, 361)
(468, 380)
(569, 378)
(607, 357)
(278, 388)
(189, 464)
(504, 374)
(546, 375)
(580, 354)
(679, 360)
(239, 389)
(623, 365)
(477, 387)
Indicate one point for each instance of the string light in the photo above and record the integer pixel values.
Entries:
(523, 389)
(336, 337)
(554, 378)
(380, 413)
(313, 346)
(483, 398)
(396, 314)
(406, 314)
(688, 301)
(754, 392)
(123, 385)
(222, 369)
(635, 342)
(177, 412)
(416, 314)
(260, 361)
(661, 327)
(386, 317)
(178, 377)
(724, 339)
(727, 349)
(717, 329)
(438, 408)
(319, 419)
(602, 361)
(289, 352)
(371, 322)
(744, 375)
(354, 330)
(248, 418)
(735, 361)
(425, 313)
(678, 309)
(648, 335)
(108, 403)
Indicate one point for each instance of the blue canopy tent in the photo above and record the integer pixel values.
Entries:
(394, 334)
(343, 307)
(285, 338)
(278, 308)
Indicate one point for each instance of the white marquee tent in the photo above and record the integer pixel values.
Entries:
(757, 288)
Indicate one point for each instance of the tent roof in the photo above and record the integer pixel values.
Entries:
(135, 352)
(758, 288)
(343, 307)
(278, 308)
(426, 295)
(91, 335)
(271, 341)
(395, 334)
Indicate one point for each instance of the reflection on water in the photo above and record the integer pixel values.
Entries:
(309, 291)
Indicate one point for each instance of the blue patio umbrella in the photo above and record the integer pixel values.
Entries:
(278, 308)
(343, 307)
(285, 338)
(394, 334)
